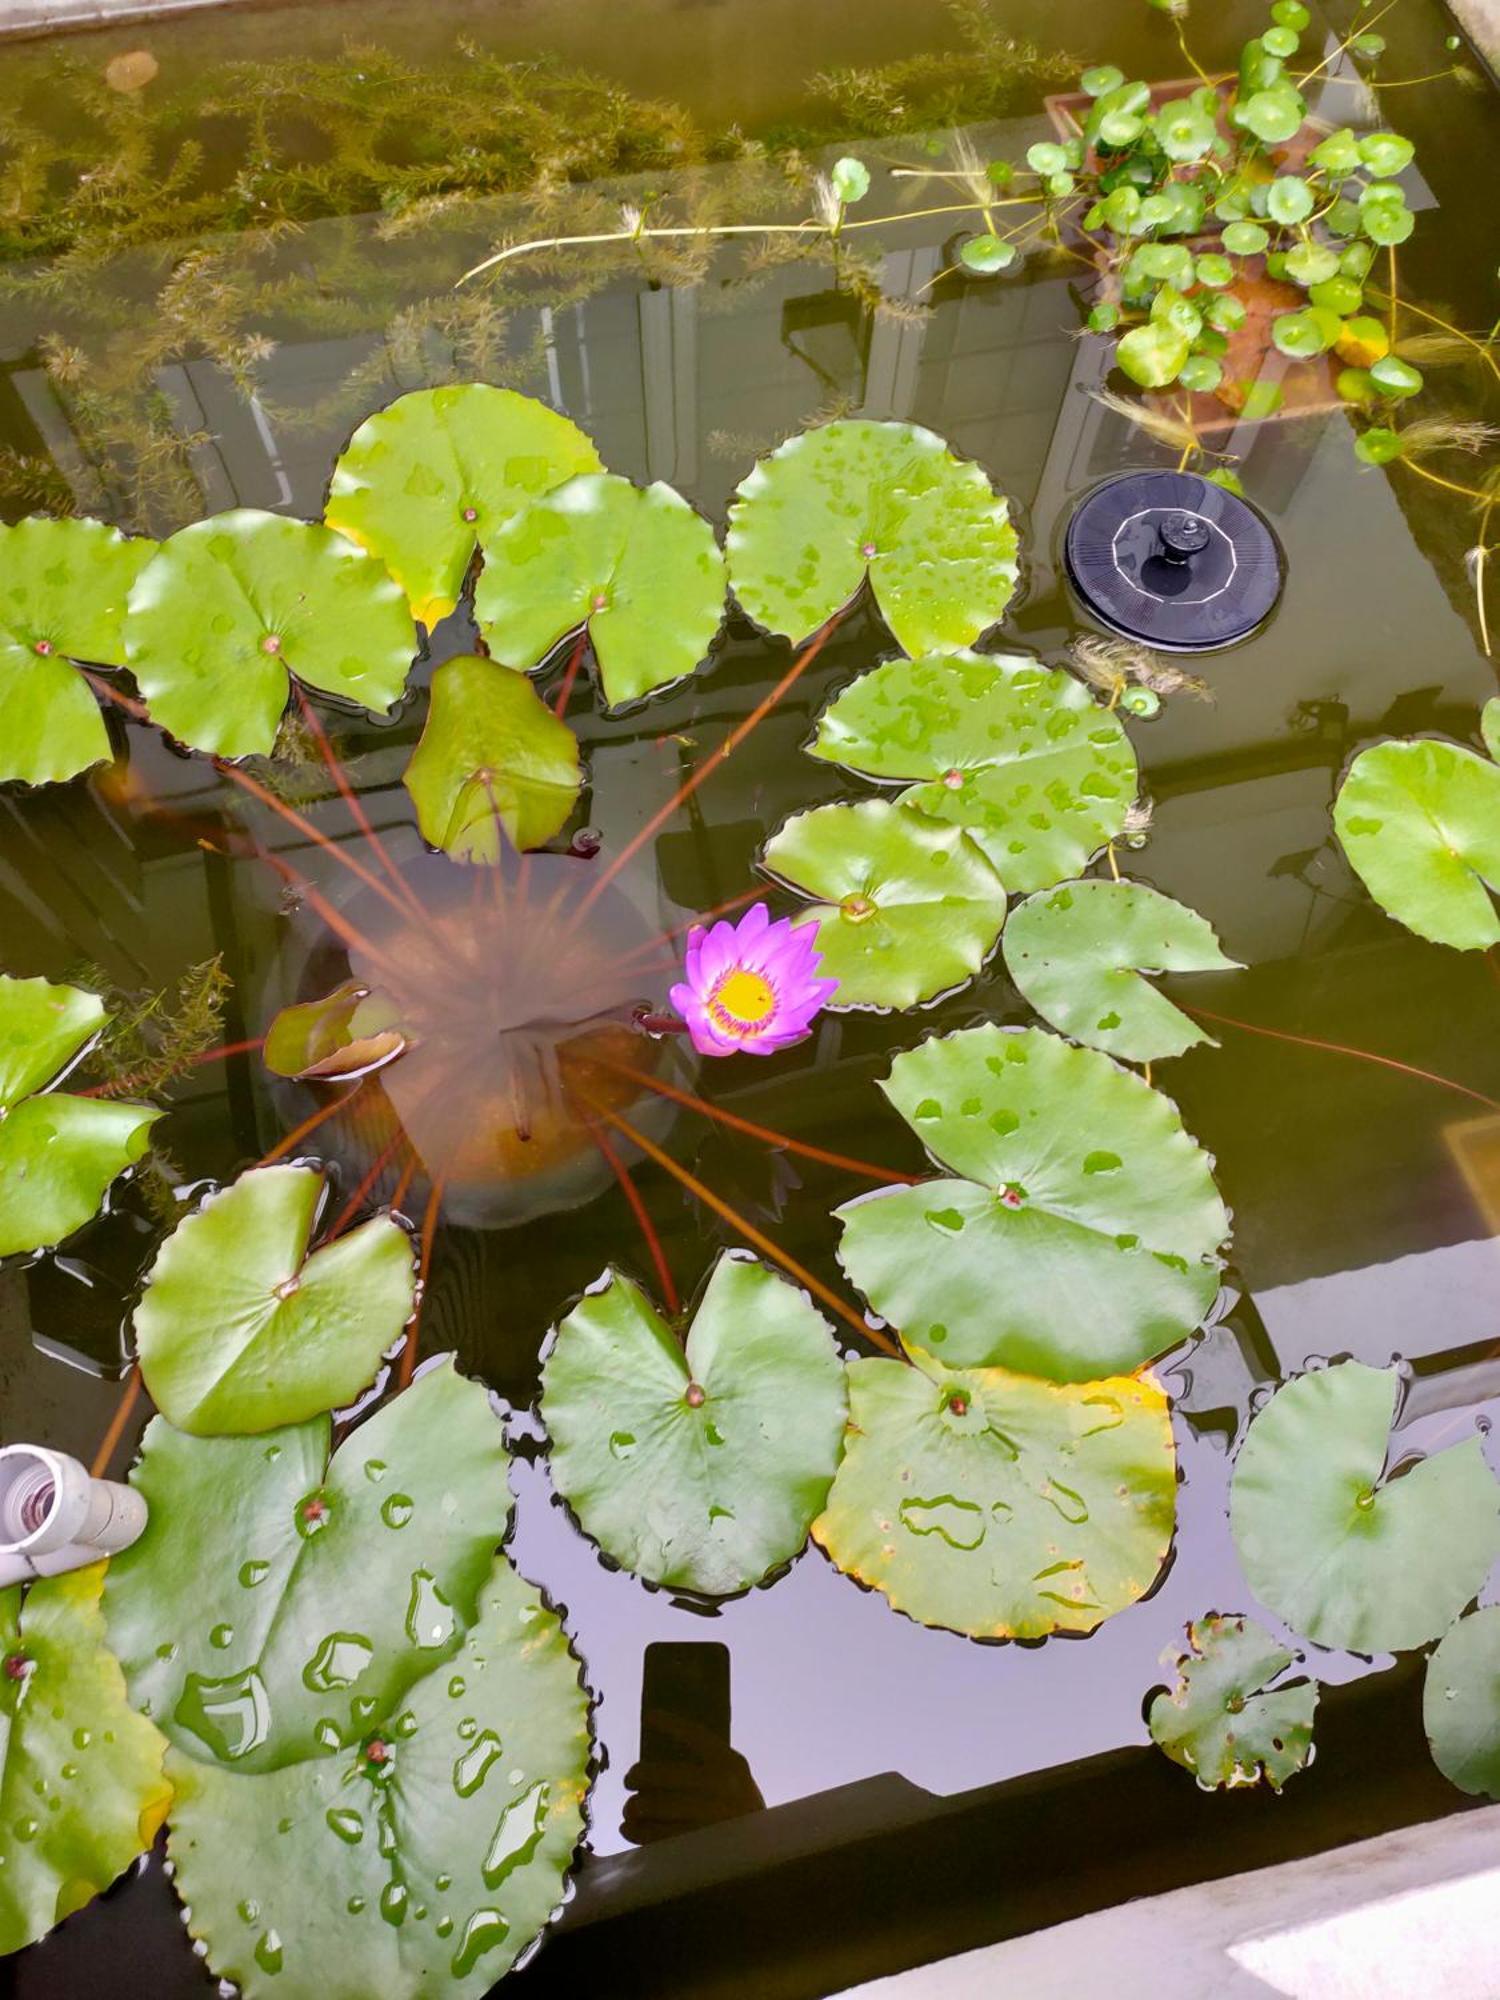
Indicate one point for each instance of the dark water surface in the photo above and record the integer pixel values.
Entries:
(1365, 1199)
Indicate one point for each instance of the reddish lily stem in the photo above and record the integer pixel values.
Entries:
(1343, 1049)
(335, 921)
(308, 1126)
(560, 706)
(424, 1262)
(361, 1194)
(352, 800)
(748, 1230)
(632, 1194)
(110, 1441)
(124, 1086)
(308, 831)
(710, 764)
(663, 940)
(136, 710)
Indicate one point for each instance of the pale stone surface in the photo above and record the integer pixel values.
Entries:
(1482, 19)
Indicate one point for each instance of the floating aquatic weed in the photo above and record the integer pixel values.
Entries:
(751, 987)
(58, 1153)
(731, 1442)
(1223, 1719)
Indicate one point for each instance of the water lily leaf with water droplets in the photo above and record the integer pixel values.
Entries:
(1078, 952)
(1019, 754)
(1420, 823)
(349, 1032)
(998, 1505)
(280, 1602)
(82, 1791)
(1222, 1720)
(492, 756)
(855, 499)
(423, 1874)
(907, 908)
(241, 1328)
(640, 569)
(698, 1470)
(1085, 1238)
(229, 607)
(424, 481)
(1461, 1703)
(1341, 1552)
(58, 1153)
(63, 586)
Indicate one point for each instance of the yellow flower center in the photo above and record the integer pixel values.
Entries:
(741, 1002)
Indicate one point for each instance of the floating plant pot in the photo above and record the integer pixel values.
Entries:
(1171, 560)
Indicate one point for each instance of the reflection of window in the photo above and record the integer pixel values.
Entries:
(1475, 1146)
(830, 332)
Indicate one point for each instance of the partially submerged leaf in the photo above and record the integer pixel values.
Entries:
(241, 1328)
(698, 1470)
(58, 1153)
(1335, 1547)
(907, 908)
(1077, 953)
(424, 481)
(230, 606)
(638, 568)
(1222, 1720)
(420, 1862)
(1461, 1703)
(1085, 1240)
(1420, 823)
(281, 1602)
(83, 1787)
(855, 499)
(349, 1032)
(998, 1505)
(63, 586)
(1019, 754)
(1489, 726)
(493, 756)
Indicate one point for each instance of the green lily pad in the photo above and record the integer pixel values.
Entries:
(638, 568)
(1461, 1703)
(280, 1602)
(1489, 727)
(1019, 754)
(1084, 1240)
(63, 586)
(424, 481)
(997, 1505)
(1420, 823)
(349, 1032)
(241, 1329)
(907, 908)
(1333, 1546)
(493, 756)
(1152, 354)
(701, 1469)
(58, 1153)
(83, 1791)
(229, 607)
(854, 500)
(418, 1864)
(1222, 1720)
(1077, 953)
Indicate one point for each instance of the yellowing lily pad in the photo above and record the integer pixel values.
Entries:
(63, 586)
(638, 568)
(281, 1602)
(1084, 1239)
(58, 1153)
(242, 1328)
(1223, 1720)
(998, 1505)
(1420, 823)
(493, 757)
(906, 908)
(418, 1863)
(698, 1469)
(1019, 754)
(855, 500)
(229, 607)
(81, 1785)
(1336, 1547)
(421, 483)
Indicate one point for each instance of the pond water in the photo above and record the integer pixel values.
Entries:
(150, 384)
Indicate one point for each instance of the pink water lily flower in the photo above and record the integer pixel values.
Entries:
(750, 986)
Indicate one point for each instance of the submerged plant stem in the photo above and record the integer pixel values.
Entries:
(662, 941)
(638, 1209)
(308, 1126)
(305, 827)
(108, 1444)
(336, 922)
(352, 800)
(570, 674)
(1343, 1049)
(361, 1193)
(751, 1234)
